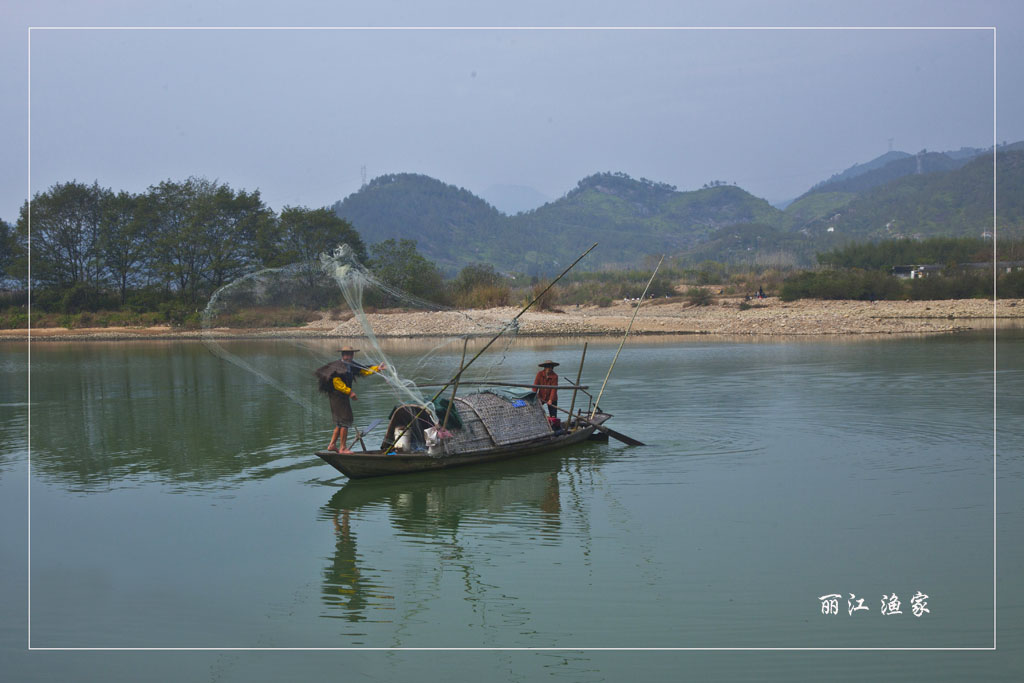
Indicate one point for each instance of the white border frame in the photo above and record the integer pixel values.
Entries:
(542, 649)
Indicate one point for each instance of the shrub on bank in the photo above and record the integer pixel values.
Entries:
(870, 285)
(266, 317)
(699, 296)
(955, 286)
(855, 284)
(13, 319)
(1011, 285)
(602, 288)
(484, 296)
(769, 279)
(547, 300)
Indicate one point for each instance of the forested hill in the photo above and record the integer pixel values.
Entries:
(633, 219)
(953, 203)
(929, 162)
(629, 218)
(860, 169)
(451, 226)
(825, 198)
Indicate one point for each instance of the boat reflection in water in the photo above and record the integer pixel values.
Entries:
(444, 521)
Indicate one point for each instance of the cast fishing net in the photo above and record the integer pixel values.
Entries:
(346, 297)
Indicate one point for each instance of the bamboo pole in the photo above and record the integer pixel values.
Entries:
(451, 401)
(495, 337)
(628, 328)
(468, 382)
(579, 375)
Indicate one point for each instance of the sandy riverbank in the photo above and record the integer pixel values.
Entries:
(727, 316)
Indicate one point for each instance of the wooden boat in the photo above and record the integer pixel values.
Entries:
(492, 425)
(490, 429)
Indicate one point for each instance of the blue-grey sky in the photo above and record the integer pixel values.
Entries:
(297, 114)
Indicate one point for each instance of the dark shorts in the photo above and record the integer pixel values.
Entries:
(341, 410)
(551, 407)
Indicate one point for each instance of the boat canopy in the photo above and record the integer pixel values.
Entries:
(488, 419)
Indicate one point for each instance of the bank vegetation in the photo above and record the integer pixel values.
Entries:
(101, 258)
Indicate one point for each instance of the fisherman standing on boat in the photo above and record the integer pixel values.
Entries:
(547, 377)
(337, 380)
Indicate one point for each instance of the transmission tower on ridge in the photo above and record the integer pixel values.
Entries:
(362, 174)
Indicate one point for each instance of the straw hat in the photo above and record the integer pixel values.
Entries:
(548, 364)
(347, 349)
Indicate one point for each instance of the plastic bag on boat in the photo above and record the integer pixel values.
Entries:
(435, 435)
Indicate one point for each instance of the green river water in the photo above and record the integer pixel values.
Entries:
(168, 502)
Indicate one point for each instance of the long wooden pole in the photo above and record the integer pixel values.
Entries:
(628, 328)
(579, 375)
(451, 401)
(495, 337)
(518, 315)
(610, 432)
(567, 386)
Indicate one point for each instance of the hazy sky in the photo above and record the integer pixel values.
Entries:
(298, 113)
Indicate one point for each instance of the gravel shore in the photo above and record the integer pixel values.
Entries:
(726, 316)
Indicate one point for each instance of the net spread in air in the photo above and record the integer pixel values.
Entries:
(338, 282)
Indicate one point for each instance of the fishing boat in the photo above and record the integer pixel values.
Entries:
(488, 425)
(484, 426)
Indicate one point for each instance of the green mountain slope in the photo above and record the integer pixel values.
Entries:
(931, 162)
(815, 205)
(629, 218)
(632, 219)
(860, 169)
(451, 226)
(954, 203)
(825, 198)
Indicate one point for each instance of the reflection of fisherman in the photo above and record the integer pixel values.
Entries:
(344, 586)
(340, 389)
(547, 377)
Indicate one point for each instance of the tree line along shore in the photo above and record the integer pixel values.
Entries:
(110, 260)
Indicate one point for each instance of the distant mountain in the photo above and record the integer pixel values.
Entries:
(513, 199)
(861, 169)
(965, 153)
(952, 203)
(828, 196)
(629, 218)
(632, 219)
(815, 205)
(926, 162)
(452, 226)
(754, 243)
(839, 181)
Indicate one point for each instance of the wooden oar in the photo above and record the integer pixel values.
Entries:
(628, 440)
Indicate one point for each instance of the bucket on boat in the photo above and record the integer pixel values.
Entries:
(405, 442)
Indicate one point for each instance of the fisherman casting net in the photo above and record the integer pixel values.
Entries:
(342, 300)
